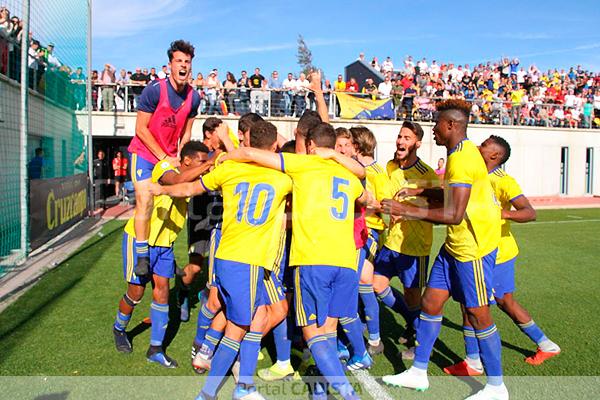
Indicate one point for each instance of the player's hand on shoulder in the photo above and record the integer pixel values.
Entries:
(174, 161)
(156, 189)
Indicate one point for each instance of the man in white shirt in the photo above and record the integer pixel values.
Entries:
(385, 88)
(300, 92)
(163, 73)
(288, 86)
(423, 67)
(434, 69)
(387, 66)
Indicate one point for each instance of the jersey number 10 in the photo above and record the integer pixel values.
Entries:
(249, 203)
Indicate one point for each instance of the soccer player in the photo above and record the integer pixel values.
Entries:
(377, 184)
(496, 151)
(254, 204)
(464, 266)
(166, 112)
(325, 281)
(167, 220)
(406, 247)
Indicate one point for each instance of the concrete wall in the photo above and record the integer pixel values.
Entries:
(535, 160)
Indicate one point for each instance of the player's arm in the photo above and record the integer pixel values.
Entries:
(187, 133)
(347, 162)
(315, 86)
(222, 132)
(451, 215)
(142, 131)
(173, 178)
(433, 195)
(258, 156)
(523, 212)
(187, 189)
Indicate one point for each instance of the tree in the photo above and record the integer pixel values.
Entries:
(304, 56)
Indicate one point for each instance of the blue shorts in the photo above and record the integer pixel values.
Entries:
(470, 283)
(242, 288)
(412, 270)
(140, 169)
(162, 261)
(273, 288)
(284, 272)
(504, 278)
(323, 291)
(369, 250)
(215, 239)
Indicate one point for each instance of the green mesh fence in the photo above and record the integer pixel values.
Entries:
(56, 71)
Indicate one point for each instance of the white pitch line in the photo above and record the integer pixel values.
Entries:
(574, 216)
(375, 390)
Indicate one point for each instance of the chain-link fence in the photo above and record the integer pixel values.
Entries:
(43, 56)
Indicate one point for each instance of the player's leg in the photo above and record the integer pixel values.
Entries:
(135, 291)
(191, 270)
(367, 295)
(387, 266)
(429, 324)
(313, 293)
(471, 365)
(248, 357)
(159, 314)
(476, 286)
(141, 172)
(240, 288)
(209, 331)
(413, 275)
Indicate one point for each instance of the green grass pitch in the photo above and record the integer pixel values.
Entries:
(62, 326)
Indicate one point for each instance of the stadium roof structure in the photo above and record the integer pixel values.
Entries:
(360, 71)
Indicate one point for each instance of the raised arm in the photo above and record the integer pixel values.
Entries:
(451, 215)
(315, 86)
(222, 132)
(523, 212)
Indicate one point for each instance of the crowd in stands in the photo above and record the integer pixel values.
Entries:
(46, 73)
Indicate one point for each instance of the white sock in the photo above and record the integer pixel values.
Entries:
(374, 342)
(283, 364)
(549, 346)
(474, 363)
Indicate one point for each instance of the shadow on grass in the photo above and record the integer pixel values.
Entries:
(55, 284)
(53, 396)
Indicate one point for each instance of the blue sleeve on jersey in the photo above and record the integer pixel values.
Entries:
(203, 185)
(195, 104)
(467, 185)
(282, 162)
(516, 197)
(148, 100)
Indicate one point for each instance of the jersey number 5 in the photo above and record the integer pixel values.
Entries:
(338, 194)
(261, 189)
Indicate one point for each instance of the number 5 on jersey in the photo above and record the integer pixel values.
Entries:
(340, 211)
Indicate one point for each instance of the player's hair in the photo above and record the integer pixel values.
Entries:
(39, 151)
(363, 140)
(288, 147)
(307, 121)
(210, 125)
(342, 132)
(262, 135)
(247, 120)
(182, 46)
(415, 128)
(322, 135)
(459, 105)
(505, 146)
(192, 147)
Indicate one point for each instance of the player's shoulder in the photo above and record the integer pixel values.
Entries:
(161, 168)
(375, 169)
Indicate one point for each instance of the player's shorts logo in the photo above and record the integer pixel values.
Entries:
(139, 172)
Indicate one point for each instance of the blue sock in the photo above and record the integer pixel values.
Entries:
(222, 361)
(249, 357)
(353, 330)
(533, 332)
(371, 310)
(141, 248)
(413, 315)
(159, 314)
(395, 300)
(212, 339)
(471, 343)
(121, 321)
(283, 343)
(428, 329)
(205, 317)
(490, 350)
(329, 365)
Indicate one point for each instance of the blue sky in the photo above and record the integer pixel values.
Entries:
(240, 35)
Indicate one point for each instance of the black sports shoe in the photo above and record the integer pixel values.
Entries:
(142, 267)
(122, 342)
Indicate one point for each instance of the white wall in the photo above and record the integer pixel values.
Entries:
(535, 159)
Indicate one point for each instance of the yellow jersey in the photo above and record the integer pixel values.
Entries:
(478, 234)
(253, 211)
(169, 214)
(412, 237)
(323, 199)
(506, 189)
(391, 166)
(378, 184)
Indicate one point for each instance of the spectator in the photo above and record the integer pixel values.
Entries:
(300, 92)
(440, 171)
(153, 75)
(288, 86)
(407, 102)
(385, 88)
(276, 87)
(163, 73)
(230, 86)
(256, 94)
(139, 80)
(122, 82)
(244, 86)
(119, 165)
(37, 165)
(107, 81)
(375, 64)
(94, 79)
(387, 67)
(370, 89)
(78, 79)
(212, 86)
(352, 86)
(100, 177)
(52, 60)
